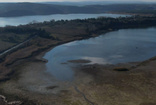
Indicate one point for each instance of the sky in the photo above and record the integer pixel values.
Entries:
(71, 0)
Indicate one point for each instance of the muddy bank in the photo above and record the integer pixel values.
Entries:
(79, 61)
(135, 86)
(32, 82)
(130, 83)
(14, 75)
(99, 84)
(32, 49)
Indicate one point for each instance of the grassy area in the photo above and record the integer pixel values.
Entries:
(5, 45)
(50, 34)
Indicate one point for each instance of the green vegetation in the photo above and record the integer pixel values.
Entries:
(74, 29)
(49, 34)
(92, 27)
(11, 35)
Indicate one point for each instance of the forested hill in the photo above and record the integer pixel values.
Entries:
(25, 9)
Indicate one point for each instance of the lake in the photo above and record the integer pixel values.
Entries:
(125, 45)
(15, 21)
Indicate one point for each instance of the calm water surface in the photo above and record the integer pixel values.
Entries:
(14, 21)
(126, 45)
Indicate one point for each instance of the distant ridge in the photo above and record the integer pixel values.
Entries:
(84, 3)
(27, 9)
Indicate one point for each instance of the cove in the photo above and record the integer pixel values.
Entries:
(122, 46)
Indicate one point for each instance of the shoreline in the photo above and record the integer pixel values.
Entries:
(24, 76)
(88, 76)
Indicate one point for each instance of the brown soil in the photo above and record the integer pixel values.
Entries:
(100, 84)
(16, 81)
(79, 61)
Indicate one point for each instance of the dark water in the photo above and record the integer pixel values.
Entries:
(126, 45)
(14, 21)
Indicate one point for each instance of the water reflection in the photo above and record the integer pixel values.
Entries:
(127, 45)
(14, 21)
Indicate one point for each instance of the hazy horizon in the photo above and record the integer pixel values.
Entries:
(78, 1)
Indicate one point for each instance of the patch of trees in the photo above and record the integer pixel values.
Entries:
(73, 28)
(92, 25)
(18, 34)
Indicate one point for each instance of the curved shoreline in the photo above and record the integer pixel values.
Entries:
(36, 56)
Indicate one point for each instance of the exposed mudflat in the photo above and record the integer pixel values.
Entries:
(31, 84)
(93, 84)
(79, 61)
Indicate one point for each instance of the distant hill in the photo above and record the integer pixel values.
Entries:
(22, 9)
(25, 9)
(84, 3)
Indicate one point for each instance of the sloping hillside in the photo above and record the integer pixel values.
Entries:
(25, 9)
